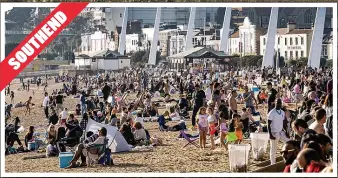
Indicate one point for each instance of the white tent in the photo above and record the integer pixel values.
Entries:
(116, 141)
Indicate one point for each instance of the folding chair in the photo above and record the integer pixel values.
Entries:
(190, 141)
(104, 154)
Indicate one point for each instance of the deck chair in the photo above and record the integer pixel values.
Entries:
(71, 146)
(188, 139)
(104, 154)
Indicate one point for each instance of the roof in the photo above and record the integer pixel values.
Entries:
(203, 51)
(186, 53)
(280, 31)
(105, 53)
(300, 31)
(118, 29)
(235, 34)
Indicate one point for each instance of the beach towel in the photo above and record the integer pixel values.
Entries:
(231, 136)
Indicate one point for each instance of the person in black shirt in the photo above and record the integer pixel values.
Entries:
(272, 96)
(53, 119)
(106, 91)
(199, 100)
(59, 101)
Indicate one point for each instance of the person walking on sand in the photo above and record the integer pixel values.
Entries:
(27, 104)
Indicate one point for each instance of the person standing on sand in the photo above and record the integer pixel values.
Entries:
(199, 100)
(233, 103)
(45, 104)
(277, 128)
(12, 96)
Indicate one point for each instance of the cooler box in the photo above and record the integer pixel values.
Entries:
(32, 146)
(65, 158)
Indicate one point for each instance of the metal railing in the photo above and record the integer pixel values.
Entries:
(26, 32)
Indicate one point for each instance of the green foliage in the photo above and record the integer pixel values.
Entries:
(10, 47)
(329, 63)
(140, 58)
(48, 56)
(252, 60)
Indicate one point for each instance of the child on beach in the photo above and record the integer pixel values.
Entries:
(238, 128)
(212, 126)
(231, 136)
(202, 121)
(223, 128)
(27, 104)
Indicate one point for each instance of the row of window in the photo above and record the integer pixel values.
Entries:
(291, 54)
(289, 41)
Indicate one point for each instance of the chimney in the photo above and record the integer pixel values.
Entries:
(291, 26)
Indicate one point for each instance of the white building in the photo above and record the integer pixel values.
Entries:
(148, 34)
(164, 39)
(132, 43)
(245, 41)
(177, 44)
(327, 48)
(95, 42)
(102, 60)
(290, 43)
(97, 13)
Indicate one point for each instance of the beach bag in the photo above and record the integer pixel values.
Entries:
(231, 136)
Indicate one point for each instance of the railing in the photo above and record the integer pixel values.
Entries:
(26, 32)
(39, 73)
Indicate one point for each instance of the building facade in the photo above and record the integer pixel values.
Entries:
(95, 42)
(291, 43)
(177, 15)
(133, 43)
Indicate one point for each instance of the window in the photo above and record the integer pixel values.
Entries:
(291, 54)
(301, 40)
(286, 54)
(207, 19)
(278, 40)
(264, 41)
(324, 50)
(296, 40)
(291, 42)
(296, 54)
(286, 41)
(301, 53)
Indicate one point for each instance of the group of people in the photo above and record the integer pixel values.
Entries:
(214, 100)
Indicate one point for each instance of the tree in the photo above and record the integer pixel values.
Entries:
(323, 62)
(252, 60)
(10, 47)
(329, 63)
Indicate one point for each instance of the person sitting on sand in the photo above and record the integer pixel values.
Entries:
(83, 150)
(127, 134)
(161, 121)
(139, 133)
(29, 135)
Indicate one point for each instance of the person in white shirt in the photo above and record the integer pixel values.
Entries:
(63, 116)
(318, 125)
(277, 127)
(208, 92)
(45, 104)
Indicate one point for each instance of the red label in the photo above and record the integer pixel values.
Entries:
(38, 39)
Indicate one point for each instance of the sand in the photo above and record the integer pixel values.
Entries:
(170, 158)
